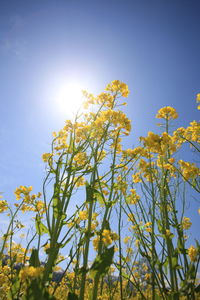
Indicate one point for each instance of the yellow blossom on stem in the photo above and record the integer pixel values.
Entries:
(3, 206)
(189, 170)
(23, 190)
(107, 237)
(126, 239)
(30, 272)
(192, 253)
(167, 113)
(136, 178)
(95, 242)
(186, 223)
(118, 86)
(83, 215)
(46, 156)
(198, 100)
(133, 198)
(80, 181)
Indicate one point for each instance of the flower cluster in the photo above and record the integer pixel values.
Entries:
(189, 170)
(192, 253)
(186, 223)
(167, 113)
(117, 86)
(3, 205)
(30, 272)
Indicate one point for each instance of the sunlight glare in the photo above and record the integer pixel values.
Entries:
(69, 97)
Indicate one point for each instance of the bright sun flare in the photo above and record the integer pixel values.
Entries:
(69, 97)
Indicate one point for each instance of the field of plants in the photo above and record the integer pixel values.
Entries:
(109, 223)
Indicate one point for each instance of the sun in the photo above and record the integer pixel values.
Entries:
(63, 95)
(69, 97)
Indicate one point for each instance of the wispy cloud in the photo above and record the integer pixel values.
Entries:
(12, 42)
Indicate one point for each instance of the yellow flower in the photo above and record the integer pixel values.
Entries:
(148, 226)
(114, 236)
(179, 135)
(147, 276)
(46, 247)
(80, 158)
(171, 160)
(83, 215)
(95, 242)
(80, 181)
(167, 113)
(107, 237)
(46, 156)
(39, 205)
(144, 267)
(94, 225)
(118, 86)
(198, 100)
(3, 206)
(168, 233)
(23, 190)
(30, 272)
(136, 178)
(133, 198)
(71, 275)
(189, 170)
(192, 253)
(129, 250)
(126, 239)
(26, 207)
(186, 223)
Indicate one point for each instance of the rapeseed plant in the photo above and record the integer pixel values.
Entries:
(146, 257)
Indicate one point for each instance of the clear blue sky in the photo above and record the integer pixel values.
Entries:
(153, 46)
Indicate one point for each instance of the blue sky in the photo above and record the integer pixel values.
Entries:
(151, 45)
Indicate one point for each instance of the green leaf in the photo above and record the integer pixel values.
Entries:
(99, 197)
(165, 265)
(157, 297)
(56, 205)
(102, 262)
(34, 259)
(197, 246)
(12, 293)
(36, 291)
(191, 271)
(40, 227)
(126, 276)
(174, 262)
(72, 296)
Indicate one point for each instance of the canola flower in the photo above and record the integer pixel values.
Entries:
(192, 253)
(186, 223)
(189, 170)
(167, 113)
(198, 100)
(30, 272)
(3, 205)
